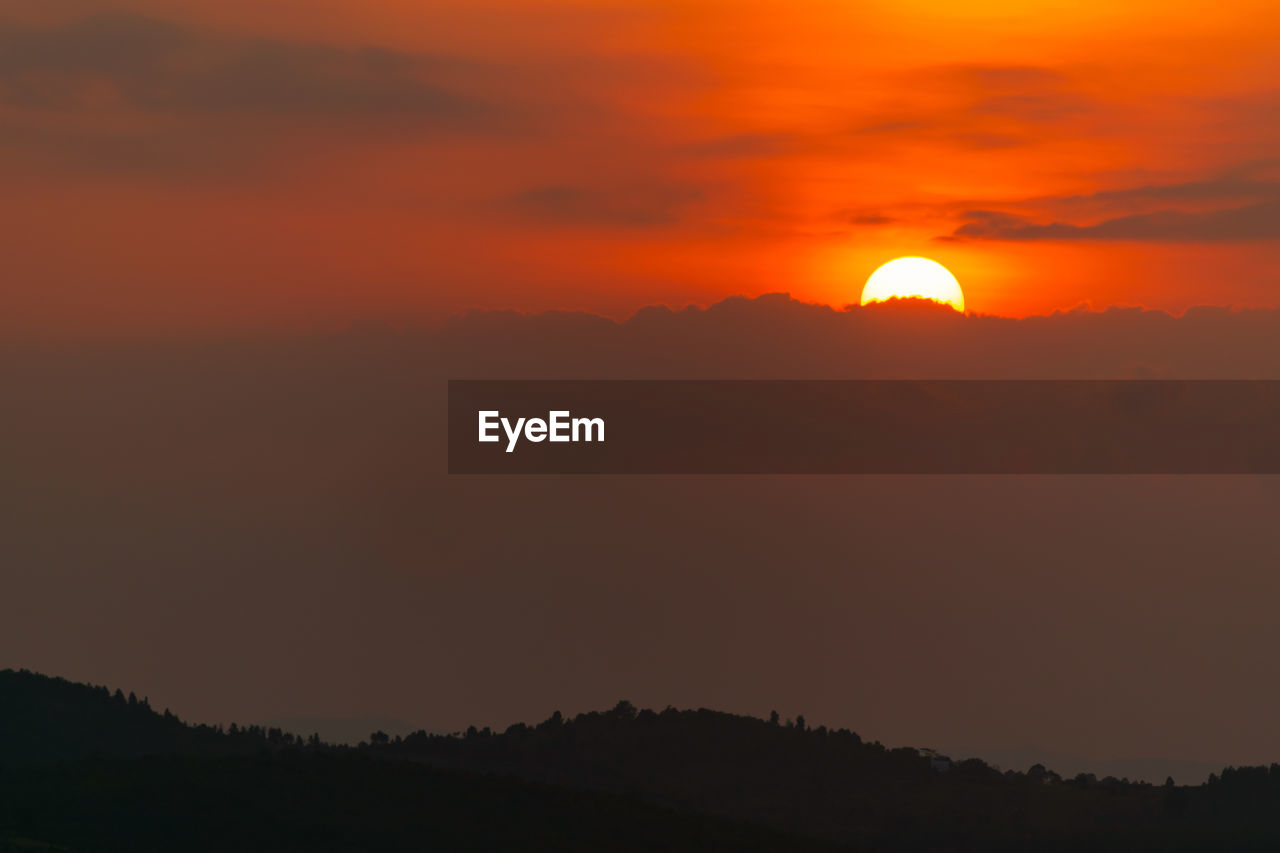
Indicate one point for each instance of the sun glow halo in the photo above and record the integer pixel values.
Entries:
(914, 277)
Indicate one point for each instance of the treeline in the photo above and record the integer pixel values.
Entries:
(85, 769)
(90, 769)
(829, 783)
(50, 719)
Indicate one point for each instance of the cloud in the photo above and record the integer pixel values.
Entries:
(1242, 203)
(1023, 93)
(630, 205)
(142, 97)
(976, 108)
(863, 217)
(817, 342)
(1252, 181)
(1034, 107)
(1251, 222)
(156, 66)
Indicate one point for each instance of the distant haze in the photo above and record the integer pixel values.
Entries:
(342, 730)
(1152, 770)
(254, 529)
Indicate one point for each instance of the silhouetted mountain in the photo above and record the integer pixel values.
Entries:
(831, 784)
(338, 801)
(174, 787)
(617, 780)
(52, 719)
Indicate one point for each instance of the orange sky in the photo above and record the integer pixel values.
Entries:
(228, 165)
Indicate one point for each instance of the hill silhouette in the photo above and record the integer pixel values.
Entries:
(83, 768)
(831, 784)
(52, 719)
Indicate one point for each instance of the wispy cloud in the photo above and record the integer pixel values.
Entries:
(1251, 222)
(1242, 203)
(158, 66)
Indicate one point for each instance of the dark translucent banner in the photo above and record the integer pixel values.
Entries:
(864, 427)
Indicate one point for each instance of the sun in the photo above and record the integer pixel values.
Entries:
(914, 277)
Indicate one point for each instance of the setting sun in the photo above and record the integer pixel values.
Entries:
(914, 277)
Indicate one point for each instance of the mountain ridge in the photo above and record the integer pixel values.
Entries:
(697, 779)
